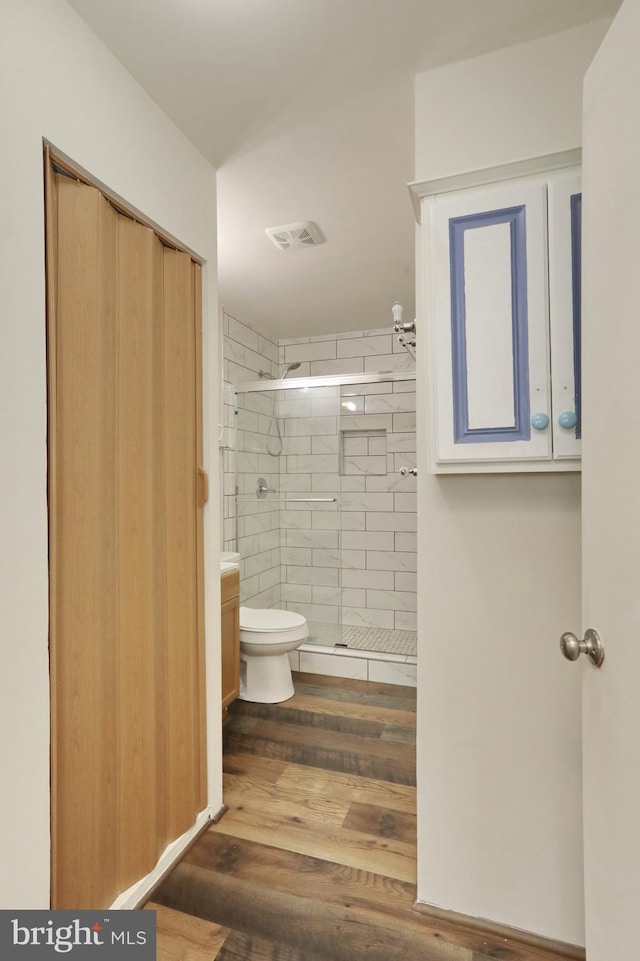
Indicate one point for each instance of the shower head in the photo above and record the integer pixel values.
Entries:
(289, 368)
(265, 375)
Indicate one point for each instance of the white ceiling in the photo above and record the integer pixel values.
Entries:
(306, 109)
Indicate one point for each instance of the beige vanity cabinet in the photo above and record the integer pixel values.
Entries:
(230, 644)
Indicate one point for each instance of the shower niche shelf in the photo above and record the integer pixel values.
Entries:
(363, 451)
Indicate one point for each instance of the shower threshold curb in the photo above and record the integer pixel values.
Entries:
(352, 663)
(356, 652)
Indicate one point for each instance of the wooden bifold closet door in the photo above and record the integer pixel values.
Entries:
(126, 634)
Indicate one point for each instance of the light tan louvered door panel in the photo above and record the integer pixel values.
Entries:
(127, 661)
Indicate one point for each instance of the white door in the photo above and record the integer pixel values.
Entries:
(611, 490)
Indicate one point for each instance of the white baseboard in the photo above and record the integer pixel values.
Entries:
(138, 893)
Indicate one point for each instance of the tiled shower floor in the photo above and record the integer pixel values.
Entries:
(379, 639)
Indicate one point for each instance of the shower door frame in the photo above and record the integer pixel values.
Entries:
(318, 380)
(324, 380)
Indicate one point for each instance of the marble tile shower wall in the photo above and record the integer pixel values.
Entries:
(251, 525)
(355, 352)
(377, 560)
(354, 561)
(313, 557)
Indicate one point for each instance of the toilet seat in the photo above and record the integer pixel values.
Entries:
(270, 626)
(269, 619)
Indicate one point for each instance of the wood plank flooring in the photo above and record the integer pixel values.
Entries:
(315, 858)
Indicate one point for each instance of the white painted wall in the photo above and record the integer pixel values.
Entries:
(499, 755)
(515, 103)
(58, 81)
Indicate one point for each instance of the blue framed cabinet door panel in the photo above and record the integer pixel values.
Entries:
(501, 280)
(565, 258)
(488, 311)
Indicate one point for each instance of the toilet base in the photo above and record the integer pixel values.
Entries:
(265, 680)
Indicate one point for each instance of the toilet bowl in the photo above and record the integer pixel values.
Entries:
(266, 637)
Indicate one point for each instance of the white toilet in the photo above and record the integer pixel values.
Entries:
(266, 637)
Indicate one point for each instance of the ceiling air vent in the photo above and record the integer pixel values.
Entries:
(294, 236)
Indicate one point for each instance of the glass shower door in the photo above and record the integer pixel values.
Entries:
(310, 509)
(326, 506)
(379, 515)
(256, 485)
(288, 503)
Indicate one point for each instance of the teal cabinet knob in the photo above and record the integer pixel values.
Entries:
(540, 421)
(567, 419)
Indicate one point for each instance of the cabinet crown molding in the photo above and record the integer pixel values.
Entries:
(490, 175)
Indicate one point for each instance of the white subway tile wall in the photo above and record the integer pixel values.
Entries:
(351, 561)
(364, 535)
(251, 525)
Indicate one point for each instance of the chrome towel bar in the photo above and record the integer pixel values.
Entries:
(310, 500)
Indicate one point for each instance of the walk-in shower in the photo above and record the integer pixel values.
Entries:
(325, 508)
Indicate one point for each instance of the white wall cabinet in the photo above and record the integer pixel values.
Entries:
(501, 294)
